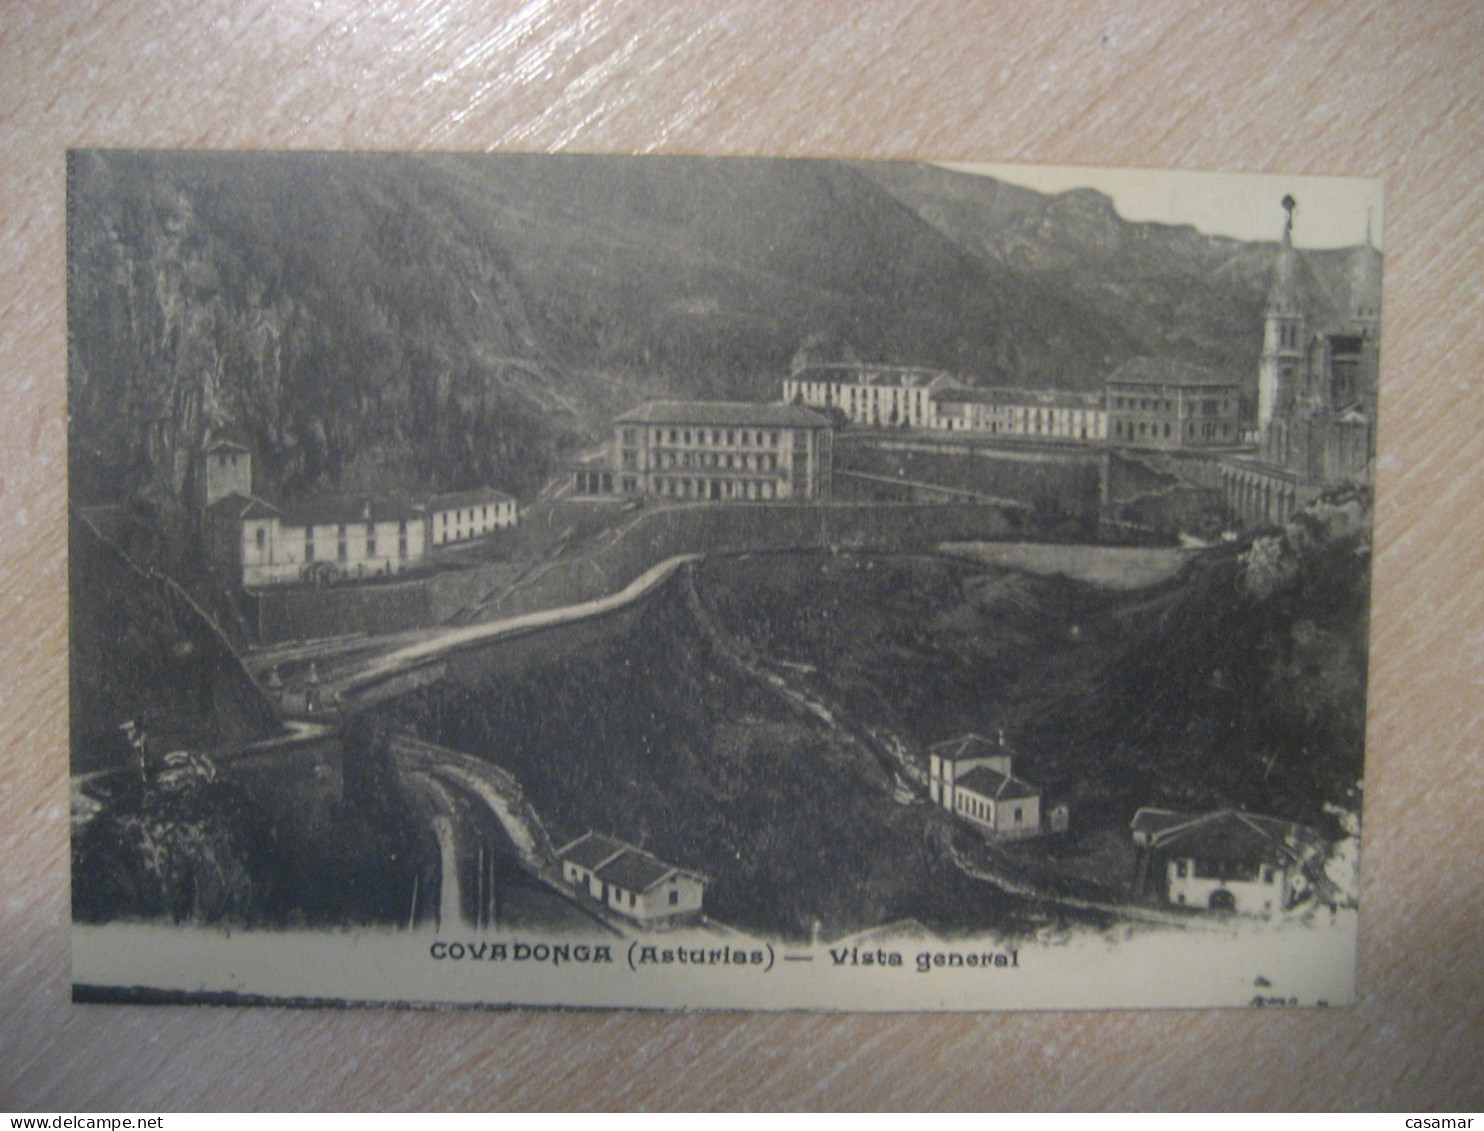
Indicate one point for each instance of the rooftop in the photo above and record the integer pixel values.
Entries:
(634, 871)
(456, 499)
(991, 783)
(226, 446)
(1227, 835)
(967, 746)
(1167, 371)
(725, 414)
(337, 510)
(239, 506)
(617, 863)
(591, 850)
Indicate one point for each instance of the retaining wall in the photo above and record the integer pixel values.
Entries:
(506, 589)
(1115, 567)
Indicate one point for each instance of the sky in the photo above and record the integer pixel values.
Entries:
(1331, 210)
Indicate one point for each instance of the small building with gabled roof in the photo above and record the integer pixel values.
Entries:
(973, 778)
(241, 533)
(630, 881)
(1227, 860)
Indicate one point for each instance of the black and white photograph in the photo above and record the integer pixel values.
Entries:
(716, 583)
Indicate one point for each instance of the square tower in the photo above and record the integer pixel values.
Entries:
(226, 469)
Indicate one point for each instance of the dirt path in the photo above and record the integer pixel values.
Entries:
(880, 757)
(1012, 877)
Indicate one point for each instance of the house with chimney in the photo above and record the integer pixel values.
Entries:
(974, 779)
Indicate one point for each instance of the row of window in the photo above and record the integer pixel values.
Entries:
(725, 461)
(469, 515)
(1036, 424)
(1039, 416)
(1142, 430)
(709, 489)
(1211, 406)
(615, 897)
(1215, 870)
(871, 395)
(342, 544)
(972, 806)
(702, 437)
(841, 389)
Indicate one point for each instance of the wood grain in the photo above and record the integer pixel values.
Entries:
(1375, 89)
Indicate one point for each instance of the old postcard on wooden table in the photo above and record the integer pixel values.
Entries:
(716, 583)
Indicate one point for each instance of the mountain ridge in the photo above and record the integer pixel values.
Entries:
(443, 321)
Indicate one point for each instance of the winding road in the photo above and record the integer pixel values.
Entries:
(368, 667)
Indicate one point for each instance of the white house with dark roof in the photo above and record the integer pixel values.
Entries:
(630, 881)
(337, 538)
(242, 535)
(260, 544)
(973, 778)
(463, 515)
(1228, 860)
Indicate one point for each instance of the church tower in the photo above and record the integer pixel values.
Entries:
(1364, 310)
(1283, 332)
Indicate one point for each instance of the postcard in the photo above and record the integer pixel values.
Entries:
(716, 583)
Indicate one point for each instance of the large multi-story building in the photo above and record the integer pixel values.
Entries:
(717, 452)
(884, 396)
(1161, 403)
(904, 396)
(1052, 414)
(1317, 383)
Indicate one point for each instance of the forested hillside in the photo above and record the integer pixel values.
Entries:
(443, 321)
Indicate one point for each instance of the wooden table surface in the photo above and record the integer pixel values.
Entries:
(1390, 90)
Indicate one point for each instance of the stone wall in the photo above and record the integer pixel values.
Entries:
(508, 589)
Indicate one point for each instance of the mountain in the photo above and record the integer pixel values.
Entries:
(1173, 290)
(401, 321)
